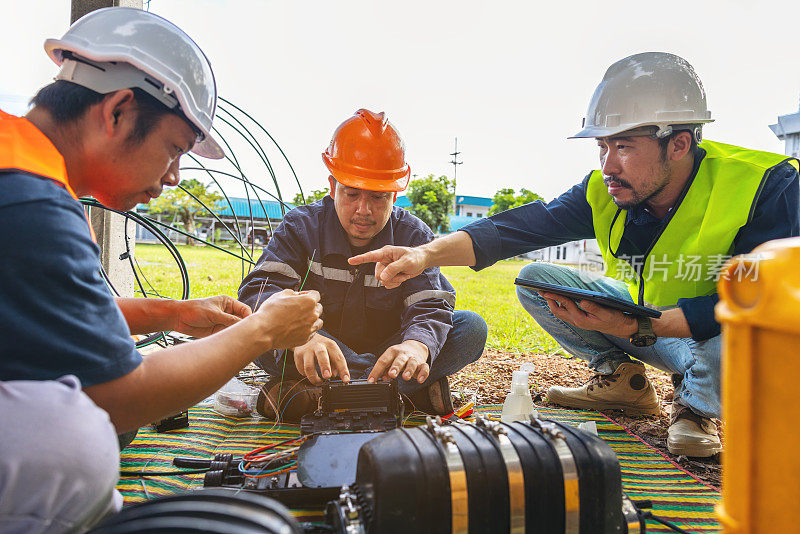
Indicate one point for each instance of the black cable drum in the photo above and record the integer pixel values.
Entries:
(215, 511)
(541, 476)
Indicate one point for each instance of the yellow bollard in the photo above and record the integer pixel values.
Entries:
(759, 310)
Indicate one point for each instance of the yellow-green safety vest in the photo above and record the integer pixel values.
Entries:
(685, 258)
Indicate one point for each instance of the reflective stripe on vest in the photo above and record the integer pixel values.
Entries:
(24, 148)
(698, 238)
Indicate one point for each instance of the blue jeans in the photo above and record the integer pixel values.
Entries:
(464, 345)
(697, 362)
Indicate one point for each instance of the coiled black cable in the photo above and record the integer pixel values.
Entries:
(163, 239)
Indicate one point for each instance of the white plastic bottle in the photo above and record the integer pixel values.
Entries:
(519, 404)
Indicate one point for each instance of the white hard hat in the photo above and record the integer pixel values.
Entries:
(653, 89)
(120, 48)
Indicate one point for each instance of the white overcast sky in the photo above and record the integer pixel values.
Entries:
(510, 79)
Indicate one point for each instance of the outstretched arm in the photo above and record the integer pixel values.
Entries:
(394, 265)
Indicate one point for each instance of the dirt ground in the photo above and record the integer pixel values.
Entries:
(489, 379)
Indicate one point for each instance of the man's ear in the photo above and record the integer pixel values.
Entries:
(117, 111)
(332, 182)
(679, 146)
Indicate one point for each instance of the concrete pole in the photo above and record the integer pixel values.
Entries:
(82, 7)
(110, 227)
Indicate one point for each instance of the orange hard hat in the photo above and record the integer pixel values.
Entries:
(366, 152)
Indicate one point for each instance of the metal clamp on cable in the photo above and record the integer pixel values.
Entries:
(631, 516)
(345, 513)
(516, 479)
(572, 499)
(459, 502)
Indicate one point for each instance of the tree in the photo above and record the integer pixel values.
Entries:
(506, 198)
(432, 200)
(176, 202)
(313, 196)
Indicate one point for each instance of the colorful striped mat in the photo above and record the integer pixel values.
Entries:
(646, 474)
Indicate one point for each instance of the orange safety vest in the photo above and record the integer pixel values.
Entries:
(24, 148)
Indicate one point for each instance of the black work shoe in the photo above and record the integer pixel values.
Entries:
(434, 399)
(297, 398)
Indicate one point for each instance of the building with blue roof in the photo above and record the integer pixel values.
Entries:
(252, 218)
(468, 209)
(257, 208)
(236, 218)
(476, 207)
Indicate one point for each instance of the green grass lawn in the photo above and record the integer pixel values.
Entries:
(211, 271)
(489, 293)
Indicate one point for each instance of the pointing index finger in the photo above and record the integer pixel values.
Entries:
(367, 257)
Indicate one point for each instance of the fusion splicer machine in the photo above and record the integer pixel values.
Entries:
(349, 415)
(355, 406)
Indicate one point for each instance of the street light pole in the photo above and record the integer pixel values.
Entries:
(455, 163)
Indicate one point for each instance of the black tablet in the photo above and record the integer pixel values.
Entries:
(595, 296)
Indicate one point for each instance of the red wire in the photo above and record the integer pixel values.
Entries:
(251, 456)
(462, 416)
(275, 473)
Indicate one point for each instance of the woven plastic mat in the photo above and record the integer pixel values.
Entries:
(646, 475)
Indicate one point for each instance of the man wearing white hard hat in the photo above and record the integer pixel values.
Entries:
(667, 209)
(133, 94)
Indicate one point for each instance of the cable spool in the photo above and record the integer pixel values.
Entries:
(486, 477)
(163, 239)
(213, 511)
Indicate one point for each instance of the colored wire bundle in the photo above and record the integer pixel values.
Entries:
(266, 461)
(256, 454)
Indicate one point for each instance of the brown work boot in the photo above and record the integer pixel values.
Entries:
(297, 398)
(625, 389)
(432, 400)
(691, 434)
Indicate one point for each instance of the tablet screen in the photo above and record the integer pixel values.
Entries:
(584, 294)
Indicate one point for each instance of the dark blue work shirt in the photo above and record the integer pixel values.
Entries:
(569, 218)
(311, 244)
(57, 316)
